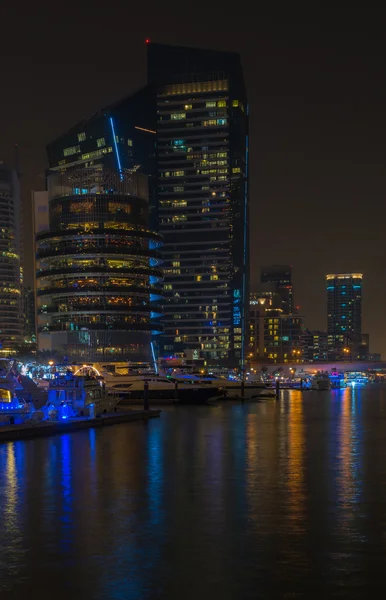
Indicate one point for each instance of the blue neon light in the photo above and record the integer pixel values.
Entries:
(153, 355)
(116, 148)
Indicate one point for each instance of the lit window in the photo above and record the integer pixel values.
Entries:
(178, 203)
(178, 116)
(178, 188)
(176, 263)
(188, 107)
(129, 142)
(71, 150)
(221, 121)
(198, 277)
(236, 170)
(178, 142)
(235, 103)
(210, 104)
(214, 277)
(178, 173)
(81, 137)
(221, 103)
(101, 142)
(119, 206)
(97, 153)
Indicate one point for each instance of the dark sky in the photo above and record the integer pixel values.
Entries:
(317, 91)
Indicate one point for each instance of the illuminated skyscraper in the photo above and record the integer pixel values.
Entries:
(98, 265)
(202, 199)
(10, 226)
(281, 277)
(344, 314)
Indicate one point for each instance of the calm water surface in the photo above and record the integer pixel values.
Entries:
(271, 500)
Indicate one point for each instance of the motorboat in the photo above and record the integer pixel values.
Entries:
(13, 409)
(218, 381)
(77, 396)
(321, 382)
(163, 389)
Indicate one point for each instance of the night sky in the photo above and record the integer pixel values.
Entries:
(317, 91)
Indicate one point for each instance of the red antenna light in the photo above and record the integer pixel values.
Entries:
(147, 41)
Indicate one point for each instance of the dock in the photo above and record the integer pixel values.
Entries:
(9, 433)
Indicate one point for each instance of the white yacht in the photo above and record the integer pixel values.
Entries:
(321, 382)
(13, 409)
(77, 395)
(161, 389)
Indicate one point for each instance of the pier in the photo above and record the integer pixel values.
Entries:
(25, 431)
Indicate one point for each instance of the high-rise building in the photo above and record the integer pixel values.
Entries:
(273, 336)
(344, 314)
(202, 199)
(315, 346)
(10, 242)
(281, 277)
(98, 266)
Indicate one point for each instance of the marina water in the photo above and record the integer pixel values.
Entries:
(273, 499)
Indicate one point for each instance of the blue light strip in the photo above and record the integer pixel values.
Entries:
(154, 359)
(116, 148)
(245, 251)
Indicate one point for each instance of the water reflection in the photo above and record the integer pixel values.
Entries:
(296, 449)
(236, 501)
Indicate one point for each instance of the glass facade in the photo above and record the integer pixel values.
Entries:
(273, 337)
(202, 200)
(344, 314)
(281, 277)
(10, 299)
(98, 267)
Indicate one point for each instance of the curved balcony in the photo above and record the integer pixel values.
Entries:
(99, 290)
(117, 326)
(106, 309)
(90, 251)
(99, 231)
(101, 270)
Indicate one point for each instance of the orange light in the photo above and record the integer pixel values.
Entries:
(144, 129)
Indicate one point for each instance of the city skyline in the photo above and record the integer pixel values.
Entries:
(316, 123)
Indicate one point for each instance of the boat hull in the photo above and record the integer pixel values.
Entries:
(189, 395)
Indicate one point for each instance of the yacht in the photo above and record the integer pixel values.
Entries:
(321, 382)
(161, 389)
(76, 395)
(216, 380)
(13, 409)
